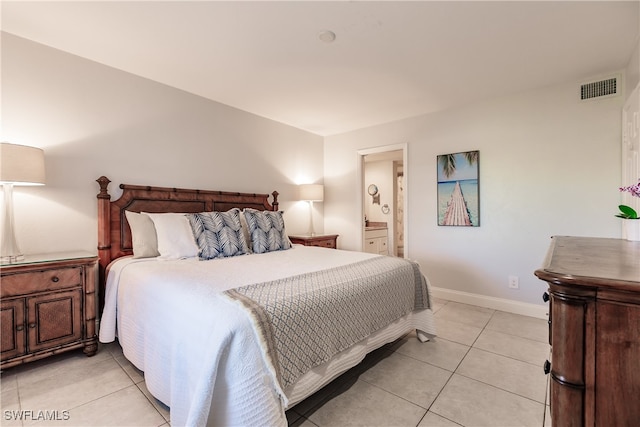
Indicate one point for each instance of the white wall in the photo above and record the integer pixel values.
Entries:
(549, 165)
(633, 71)
(633, 67)
(93, 120)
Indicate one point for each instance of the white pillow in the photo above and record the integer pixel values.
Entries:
(143, 235)
(175, 238)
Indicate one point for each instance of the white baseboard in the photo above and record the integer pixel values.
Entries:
(502, 304)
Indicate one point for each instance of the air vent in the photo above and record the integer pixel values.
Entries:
(607, 87)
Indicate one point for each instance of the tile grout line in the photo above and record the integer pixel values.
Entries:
(482, 382)
(455, 370)
(452, 374)
(413, 403)
(154, 405)
(518, 336)
(498, 354)
(500, 388)
(100, 397)
(505, 356)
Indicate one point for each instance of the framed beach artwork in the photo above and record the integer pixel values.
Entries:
(458, 189)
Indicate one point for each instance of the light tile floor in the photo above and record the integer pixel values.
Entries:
(483, 369)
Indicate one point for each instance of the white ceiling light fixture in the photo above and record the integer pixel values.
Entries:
(327, 36)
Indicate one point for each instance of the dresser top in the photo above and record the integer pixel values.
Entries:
(593, 261)
(32, 259)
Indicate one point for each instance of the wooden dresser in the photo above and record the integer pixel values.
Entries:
(594, 331)
(48, 305)
(324, 241)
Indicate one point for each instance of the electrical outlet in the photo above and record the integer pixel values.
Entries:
(513, 282)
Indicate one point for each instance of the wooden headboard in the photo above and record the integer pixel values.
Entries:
(114, 234)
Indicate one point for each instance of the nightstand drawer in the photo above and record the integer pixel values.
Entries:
(326, 243)
(45, 280)
(323, 241)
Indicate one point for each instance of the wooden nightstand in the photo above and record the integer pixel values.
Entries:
(48, 305)
(325, 240)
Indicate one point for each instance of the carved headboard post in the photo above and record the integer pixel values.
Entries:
(104, 233)
(275, 201)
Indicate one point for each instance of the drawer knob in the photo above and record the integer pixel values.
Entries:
(545, 297)
(32, 325)
(19, 327)
(547, 367)
(55, 279)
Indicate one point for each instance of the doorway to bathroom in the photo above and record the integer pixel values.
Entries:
(383, 195)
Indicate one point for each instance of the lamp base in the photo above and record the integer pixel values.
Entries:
(311, 232)
(11, 259)
(9, 250)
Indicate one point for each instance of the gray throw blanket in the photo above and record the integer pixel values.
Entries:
(304, 320)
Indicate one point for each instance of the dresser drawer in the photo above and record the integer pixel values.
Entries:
(568, 337)
(372, 234)
(326, 243)
(43, 280)
(371, 246)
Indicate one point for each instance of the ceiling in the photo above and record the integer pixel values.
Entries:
(390, 59)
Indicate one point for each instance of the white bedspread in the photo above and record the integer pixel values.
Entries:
(199, 351)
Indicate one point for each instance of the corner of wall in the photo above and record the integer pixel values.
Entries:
(632, 72)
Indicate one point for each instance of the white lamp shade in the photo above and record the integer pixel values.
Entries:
(312, 192)
(21, 165)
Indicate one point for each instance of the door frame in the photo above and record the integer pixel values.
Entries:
(360, 190)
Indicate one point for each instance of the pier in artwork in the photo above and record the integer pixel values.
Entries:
(457, 212)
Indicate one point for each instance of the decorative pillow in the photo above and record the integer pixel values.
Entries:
(143, 235)
(218, 234)
(245, 232)
(267, 231)
(175, 238)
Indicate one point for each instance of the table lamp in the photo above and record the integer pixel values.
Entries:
(19, 165)
(311, 193)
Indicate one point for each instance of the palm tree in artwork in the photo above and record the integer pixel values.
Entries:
(448, 161)
(456, 212)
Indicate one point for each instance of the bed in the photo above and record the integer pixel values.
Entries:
(248, 325)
